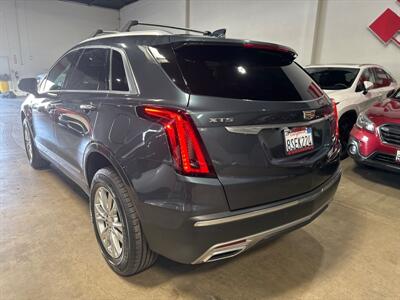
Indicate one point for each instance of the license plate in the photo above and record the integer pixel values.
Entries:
(298, 140)
(398, 156)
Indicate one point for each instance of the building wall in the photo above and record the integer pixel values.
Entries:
(282, 21)
(345, 37)
(170, 12)
(286, 22)
(34, 33)
(321, 31)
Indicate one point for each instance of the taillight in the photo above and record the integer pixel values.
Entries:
(187, 150)
(336, 116)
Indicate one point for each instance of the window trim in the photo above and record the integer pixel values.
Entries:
(132, 83)
(42, 83)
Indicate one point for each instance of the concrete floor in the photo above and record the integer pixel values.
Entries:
(48, 249)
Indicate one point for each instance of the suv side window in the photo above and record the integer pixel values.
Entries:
(367, 75)
(92, 71)
(382, 78)
(119, 81)
(57, 76)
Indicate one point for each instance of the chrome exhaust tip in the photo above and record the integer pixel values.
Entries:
(223, 251)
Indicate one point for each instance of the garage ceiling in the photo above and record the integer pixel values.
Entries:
(114, 4)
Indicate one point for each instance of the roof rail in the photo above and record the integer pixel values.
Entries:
(101, 31)
(220, 33)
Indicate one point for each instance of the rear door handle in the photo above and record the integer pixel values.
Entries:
(87, 107)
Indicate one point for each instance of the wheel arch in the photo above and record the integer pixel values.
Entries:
(97, 150)
(98, 156)
(351, 113)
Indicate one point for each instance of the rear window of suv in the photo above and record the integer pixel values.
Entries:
(237, 72)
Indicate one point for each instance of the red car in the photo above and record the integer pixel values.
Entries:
(375, 139)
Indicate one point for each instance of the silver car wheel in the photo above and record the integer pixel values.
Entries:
(28, 143)
(108, 222)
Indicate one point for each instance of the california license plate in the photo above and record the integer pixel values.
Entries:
(298, 140)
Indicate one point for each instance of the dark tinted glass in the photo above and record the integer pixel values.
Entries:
(239, 72)
(57, 76)
(119, 81)
(334, 78)
(92, 71)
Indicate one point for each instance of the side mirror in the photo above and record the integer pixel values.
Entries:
(367, 86)
(392, 93)
(28, 85)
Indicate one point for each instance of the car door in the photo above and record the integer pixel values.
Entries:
(76, 112)
(366, 98)
(49, 97)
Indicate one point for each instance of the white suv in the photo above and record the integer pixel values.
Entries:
(353, 88)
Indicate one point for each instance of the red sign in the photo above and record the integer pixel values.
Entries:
(387, 26)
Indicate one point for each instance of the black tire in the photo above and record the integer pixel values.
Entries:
(35, 159)
(345, 126)
(136, 255)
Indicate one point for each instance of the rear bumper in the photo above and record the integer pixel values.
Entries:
(367, 148)
(211, 237)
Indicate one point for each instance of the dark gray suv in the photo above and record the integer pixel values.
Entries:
(194, 147)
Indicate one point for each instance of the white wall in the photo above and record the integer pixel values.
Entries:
(339, 35)
(34, 33)
(169, 12)
(290, 23)
(345, 37)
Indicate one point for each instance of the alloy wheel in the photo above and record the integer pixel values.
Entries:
(108, 222)
(28, 143)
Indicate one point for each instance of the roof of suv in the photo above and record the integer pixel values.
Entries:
(160, 36)
(127, 34)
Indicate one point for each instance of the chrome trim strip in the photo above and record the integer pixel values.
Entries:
(255, 129)
(268, 210)
(255, 238)
(132, 83)
(246, 215)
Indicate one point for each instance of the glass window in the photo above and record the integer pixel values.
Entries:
(366, 75)
(382, 79)
(57, 76)
(119, 81)
(334, 78)
(92, 71)
(237, 72)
